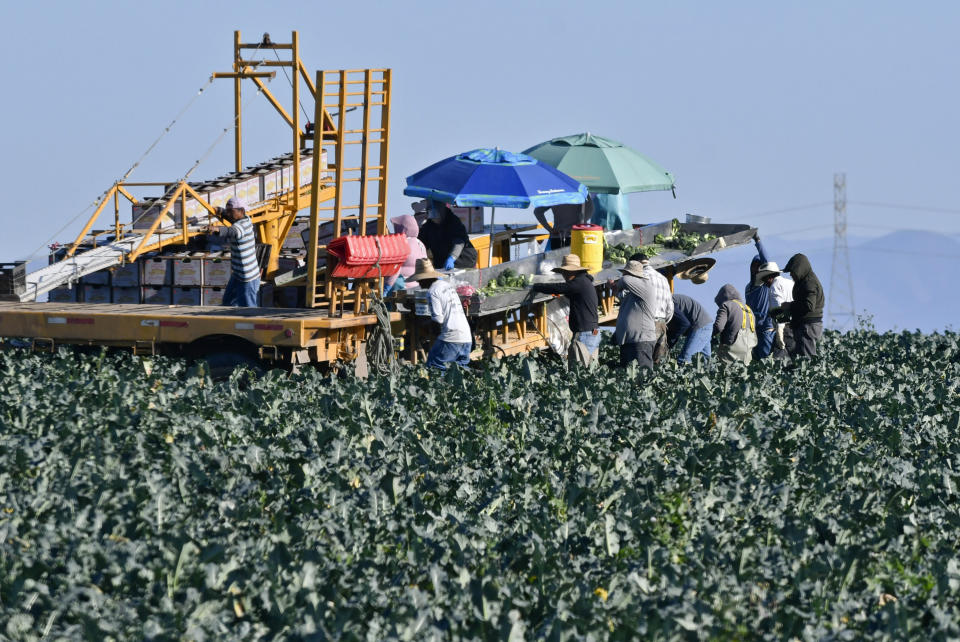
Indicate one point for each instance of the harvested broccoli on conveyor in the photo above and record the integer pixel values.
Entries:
(506, 281)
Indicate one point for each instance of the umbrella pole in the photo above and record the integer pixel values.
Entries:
(493, 217)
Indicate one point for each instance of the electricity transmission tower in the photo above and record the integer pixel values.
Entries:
(840, 307)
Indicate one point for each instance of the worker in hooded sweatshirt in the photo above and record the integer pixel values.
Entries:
(735, 326)
(806, 309)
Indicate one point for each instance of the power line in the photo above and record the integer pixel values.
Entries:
(796, 208)
(913, 208)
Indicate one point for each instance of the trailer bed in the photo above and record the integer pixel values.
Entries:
(149, 327)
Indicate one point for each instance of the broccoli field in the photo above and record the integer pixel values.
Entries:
(822, 501)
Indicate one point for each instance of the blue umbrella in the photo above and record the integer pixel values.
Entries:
(495, 178)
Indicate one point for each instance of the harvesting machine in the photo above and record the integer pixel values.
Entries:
(153, 285)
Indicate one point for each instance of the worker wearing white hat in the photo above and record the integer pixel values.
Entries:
(244, 284)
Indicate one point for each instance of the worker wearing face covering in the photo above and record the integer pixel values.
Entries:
(806, 309)
(446, 238)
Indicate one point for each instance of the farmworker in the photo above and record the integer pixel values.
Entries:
(758, 297)
(782, 291)
(455, 339)
(445, 238)
(578, 287)
(692, 322)
(564, 218)
(636, 332)
(406, 224)
(735, 325)
(611, 211)
(662, 306)
(244, 284)
(806, 309)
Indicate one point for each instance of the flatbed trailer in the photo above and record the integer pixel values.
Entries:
(277, 336)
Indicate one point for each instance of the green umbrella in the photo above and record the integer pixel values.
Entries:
(603, 165)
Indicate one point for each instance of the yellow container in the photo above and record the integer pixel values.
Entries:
(586, 241)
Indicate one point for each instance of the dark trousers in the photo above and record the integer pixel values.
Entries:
(806, 334)
(660, 346)
(641, 352)
(764, 347)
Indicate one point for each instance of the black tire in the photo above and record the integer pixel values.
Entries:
(220, 365)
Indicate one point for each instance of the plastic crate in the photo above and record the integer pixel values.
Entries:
(356, 257)
(13, 278)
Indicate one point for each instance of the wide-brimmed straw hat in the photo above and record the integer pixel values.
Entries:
(768, 270)
(424, 270)
(692, 269)
(633, 268)
(571, 263)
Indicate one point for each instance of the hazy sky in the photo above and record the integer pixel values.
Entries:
(752, 105)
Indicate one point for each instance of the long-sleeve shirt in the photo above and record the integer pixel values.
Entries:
(635, 322)
(582, 294)
(446, 309)
(782, 291)
(663, 299)
(688, 316)
(758, 295)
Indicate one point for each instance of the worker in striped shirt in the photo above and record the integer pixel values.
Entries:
(244, 284)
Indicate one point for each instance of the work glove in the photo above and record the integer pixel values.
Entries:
(449, 264)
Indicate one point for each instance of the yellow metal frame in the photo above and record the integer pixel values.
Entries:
(337, 92)
(273, 218)
(366, 90)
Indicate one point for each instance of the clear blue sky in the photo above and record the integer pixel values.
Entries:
(752, 105)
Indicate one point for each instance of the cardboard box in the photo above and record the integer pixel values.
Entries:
(187, 270)
(287, 297)
(249, 190)
(155, 271)
(126, 295)
(211, 296)
(126, 276)
(271, 184)
(216, 270)
(219, 196)
(101, 277)
(96, 294)
(155, 295)
(145, 213)
(186, 296)
(306, 170)
(62, 295)
(266, 296)
(294, 240)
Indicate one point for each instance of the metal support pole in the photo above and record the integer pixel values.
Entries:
(238, 153)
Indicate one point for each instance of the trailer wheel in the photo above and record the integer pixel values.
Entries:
(221, 365)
